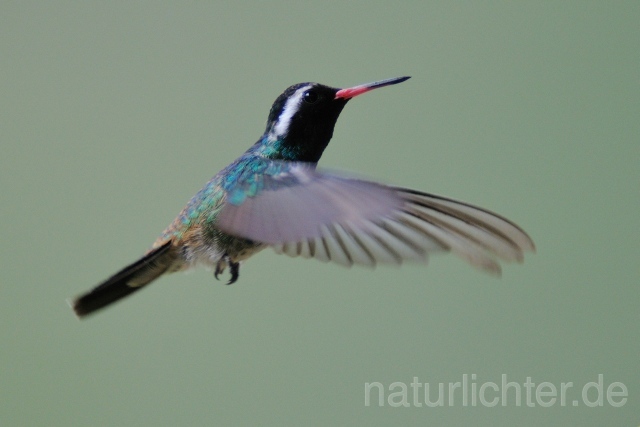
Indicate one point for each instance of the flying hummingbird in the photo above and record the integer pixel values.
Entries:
(273, 196)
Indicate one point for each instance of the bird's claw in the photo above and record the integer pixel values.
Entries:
(234, 269)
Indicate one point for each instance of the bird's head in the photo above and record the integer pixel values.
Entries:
(301, 120)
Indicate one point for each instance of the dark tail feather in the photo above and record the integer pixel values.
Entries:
(126, 281)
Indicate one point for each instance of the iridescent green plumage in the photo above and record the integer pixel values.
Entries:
(241, 179)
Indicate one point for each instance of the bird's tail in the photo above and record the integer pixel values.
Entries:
(127, 281)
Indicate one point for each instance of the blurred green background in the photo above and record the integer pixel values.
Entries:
(113, 114)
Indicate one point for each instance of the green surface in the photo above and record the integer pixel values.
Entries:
(112, 115)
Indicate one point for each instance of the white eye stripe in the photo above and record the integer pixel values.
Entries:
(291, 107)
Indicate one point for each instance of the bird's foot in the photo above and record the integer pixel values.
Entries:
(234, 269)
(220, 266)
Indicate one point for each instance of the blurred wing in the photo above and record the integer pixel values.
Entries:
(302, 212)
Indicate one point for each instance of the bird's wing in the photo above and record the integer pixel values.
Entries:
(300, 211)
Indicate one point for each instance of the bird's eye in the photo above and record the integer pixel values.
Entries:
(310, 96)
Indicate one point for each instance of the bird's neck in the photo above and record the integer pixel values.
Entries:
(291, 148)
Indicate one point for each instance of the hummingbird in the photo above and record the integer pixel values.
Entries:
(274, 196)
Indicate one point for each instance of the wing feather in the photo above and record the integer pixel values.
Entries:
(303, 212)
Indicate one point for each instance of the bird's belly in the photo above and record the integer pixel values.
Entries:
(245, 253)
(210, 255)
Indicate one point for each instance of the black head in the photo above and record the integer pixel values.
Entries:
(301, 120)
